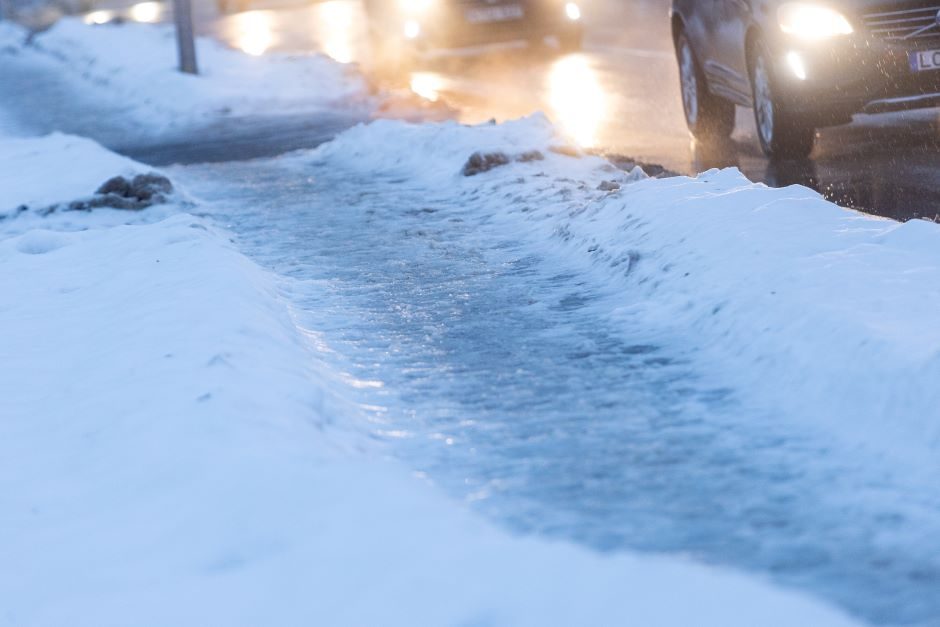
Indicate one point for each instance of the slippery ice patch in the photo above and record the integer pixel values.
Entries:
(818, 313)
(172, 451)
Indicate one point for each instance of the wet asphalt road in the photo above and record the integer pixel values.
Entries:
(620, 95)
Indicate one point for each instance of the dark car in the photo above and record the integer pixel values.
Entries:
(803, 65)
(400, 27)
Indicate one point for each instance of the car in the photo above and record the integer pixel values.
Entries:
(400, 28)
(802, 65)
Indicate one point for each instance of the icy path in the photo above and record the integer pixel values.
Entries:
(496, 370)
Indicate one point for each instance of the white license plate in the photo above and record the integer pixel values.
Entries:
(922, 60)
(499, 13)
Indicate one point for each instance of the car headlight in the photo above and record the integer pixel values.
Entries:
(812, 21)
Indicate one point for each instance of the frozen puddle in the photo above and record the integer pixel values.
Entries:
(499, 372)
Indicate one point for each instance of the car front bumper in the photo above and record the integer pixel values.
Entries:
(831, 81)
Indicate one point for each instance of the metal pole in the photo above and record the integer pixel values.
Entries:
(183, 16)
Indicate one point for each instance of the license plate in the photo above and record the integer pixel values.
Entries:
(499, 13)
(922, 60)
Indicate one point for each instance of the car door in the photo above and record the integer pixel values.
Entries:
(727, 65)
(699, 21)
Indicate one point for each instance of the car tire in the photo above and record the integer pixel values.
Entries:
(708, 117)
(783, 134)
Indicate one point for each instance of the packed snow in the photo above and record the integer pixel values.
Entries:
(173, 450)
(143, 76)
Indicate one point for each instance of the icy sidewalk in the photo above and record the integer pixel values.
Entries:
(825, 315)
(173, 451)
(542, 330)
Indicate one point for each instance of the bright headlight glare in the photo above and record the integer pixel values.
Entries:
(795, 62)
(812, 21)
(412, 29)
(573, 11)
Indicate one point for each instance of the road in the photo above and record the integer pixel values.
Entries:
(620, 95)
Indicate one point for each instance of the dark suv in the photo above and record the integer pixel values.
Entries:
(398, 27)
(803, 65)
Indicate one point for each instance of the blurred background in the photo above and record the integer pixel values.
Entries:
(617, 94)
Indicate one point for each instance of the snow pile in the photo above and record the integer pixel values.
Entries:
(811, 311)
(173, 453)
(437, 153)
(11, 35)
(54, 169)
(8, 127)
(136, 63)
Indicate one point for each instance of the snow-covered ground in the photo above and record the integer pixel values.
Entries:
(698, 365)
(7, 126)
(134, 65)
(180, 446)
(39, 172)
(173, 450)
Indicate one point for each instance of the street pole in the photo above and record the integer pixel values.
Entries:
(183, 16)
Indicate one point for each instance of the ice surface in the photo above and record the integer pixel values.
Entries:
(703, 366)
(176, 450)
(822, 312)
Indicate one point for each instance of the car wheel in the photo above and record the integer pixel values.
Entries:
(709, 117)
(782, 134)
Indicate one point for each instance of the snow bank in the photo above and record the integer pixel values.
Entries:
(173, 453)
(38, 172)
(814, 312)
(12, 36)
(135, 64)
(435, 154)
(8, 127)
